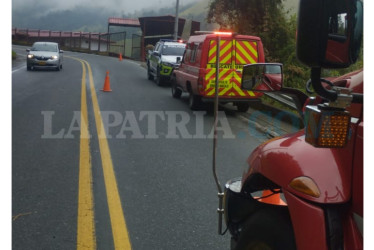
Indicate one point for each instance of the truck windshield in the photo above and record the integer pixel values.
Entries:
(175, 50)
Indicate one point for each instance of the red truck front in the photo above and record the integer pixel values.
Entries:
(305, 190)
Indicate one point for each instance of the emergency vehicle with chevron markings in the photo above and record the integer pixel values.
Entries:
(197, 73)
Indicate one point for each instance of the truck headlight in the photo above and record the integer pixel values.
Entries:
(30, 56)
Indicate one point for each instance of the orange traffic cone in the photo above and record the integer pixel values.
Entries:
(120, 56)
(106, 87)
(274, 198)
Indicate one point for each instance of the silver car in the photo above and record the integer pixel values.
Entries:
(44, 54)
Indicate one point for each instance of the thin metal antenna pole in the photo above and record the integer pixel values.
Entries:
(216, 115)
(176, 21)
(216, 97)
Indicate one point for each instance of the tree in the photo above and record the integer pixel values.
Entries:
(266, 19)
(263, 18)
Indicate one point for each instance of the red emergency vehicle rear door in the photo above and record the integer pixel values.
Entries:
(233, 55)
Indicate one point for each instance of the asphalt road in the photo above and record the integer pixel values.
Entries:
(146, 183)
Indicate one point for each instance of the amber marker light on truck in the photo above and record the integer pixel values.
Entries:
(305, 185)
(326, 128)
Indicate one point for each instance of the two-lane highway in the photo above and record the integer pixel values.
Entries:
(126, 169)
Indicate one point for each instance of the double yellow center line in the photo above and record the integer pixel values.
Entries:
(86, 227)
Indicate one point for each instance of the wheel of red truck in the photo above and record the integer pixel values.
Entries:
(267, 229)
(242, 106)
(194, 101)
(176, 93)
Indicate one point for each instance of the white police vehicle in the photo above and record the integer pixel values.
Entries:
(163, 59)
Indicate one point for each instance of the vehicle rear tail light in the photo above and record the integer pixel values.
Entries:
(326, 127)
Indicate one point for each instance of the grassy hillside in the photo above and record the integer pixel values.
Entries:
(198, 12)
(197, 9)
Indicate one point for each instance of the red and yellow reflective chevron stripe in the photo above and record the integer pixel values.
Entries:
(233, 55)
(246, 52)
(224, 81)
(229, 83)
(236, 83)
(225, 56)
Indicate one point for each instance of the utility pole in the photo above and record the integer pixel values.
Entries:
(176, 21)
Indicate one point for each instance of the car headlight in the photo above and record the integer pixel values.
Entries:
(54, 57)
(30, 56)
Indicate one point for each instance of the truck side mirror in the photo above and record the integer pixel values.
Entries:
(329, 32)
(262, 77)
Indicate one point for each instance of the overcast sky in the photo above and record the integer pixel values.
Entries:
(125, 6)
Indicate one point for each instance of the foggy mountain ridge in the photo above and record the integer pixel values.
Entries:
(77, 19)
(95, 19)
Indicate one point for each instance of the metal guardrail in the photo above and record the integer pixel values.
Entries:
(114, 43)
(282, 98)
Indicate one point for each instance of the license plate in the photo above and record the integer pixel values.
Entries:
(41, 63)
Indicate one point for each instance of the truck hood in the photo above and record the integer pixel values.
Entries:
(285, 158)
(170, 59)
